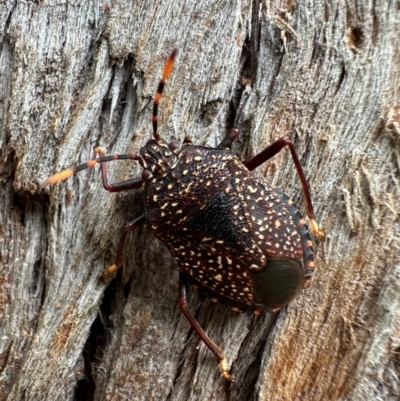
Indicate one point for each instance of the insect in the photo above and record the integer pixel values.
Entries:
(236, 239)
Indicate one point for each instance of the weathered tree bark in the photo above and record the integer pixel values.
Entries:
(79, 74)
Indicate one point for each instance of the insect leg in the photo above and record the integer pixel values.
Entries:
(121, 186)
(118, 186)
(203, 336)
(229, 139)
(187, 141)
(132, 225)
(271, 151)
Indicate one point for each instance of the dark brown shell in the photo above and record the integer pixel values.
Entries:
(225, 228)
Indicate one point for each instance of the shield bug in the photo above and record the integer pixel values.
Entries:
(236, 239)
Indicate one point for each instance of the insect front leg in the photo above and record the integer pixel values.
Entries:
(118, 186)
(132, 225)
(200, 332)
(229, 139)
(271, 151)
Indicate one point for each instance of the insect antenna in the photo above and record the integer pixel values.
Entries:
(91, 163)
(167, 70)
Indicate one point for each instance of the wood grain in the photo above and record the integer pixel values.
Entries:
(79, 74)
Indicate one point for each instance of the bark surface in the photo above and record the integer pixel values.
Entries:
(79, 74)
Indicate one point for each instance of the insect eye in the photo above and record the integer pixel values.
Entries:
(174, 146)
(146, 174)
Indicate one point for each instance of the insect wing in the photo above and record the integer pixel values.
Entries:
(269, 220)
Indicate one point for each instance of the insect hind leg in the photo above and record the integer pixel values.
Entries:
(200, 332)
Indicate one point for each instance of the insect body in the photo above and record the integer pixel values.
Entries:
(236, 239)
(226, 230)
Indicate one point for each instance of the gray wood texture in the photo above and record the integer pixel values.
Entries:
(78, 74)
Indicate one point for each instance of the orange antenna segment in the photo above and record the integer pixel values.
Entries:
(57, 177)
(67, 173)
(167, 71)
